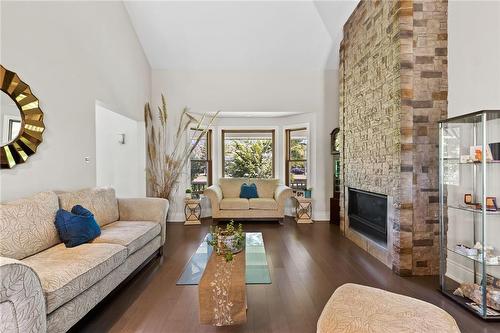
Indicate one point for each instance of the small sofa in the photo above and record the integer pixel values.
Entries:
(227, 204)
(46, 287)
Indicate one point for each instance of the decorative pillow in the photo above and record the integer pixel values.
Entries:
(76, 227)
(248, 191)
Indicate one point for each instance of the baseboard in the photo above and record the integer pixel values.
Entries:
(176, 217)
(458, 272)
(321, 216)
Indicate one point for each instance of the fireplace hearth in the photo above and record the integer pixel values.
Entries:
(368, 214)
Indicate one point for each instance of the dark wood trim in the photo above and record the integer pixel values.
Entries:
(273, 143)
(288, 160)
(209, 159)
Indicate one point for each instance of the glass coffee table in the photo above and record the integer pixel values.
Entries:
(256, 268)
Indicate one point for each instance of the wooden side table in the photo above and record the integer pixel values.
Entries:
(192, 211)
(303, 210)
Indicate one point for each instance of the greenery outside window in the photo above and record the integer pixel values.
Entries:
(296, 174)
(248, 153)
(201, 162)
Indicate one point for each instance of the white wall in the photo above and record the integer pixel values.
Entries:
(330, 122)
(71, 54)
(120, 165)
(258, 91)
(473, 56)
(251, 90)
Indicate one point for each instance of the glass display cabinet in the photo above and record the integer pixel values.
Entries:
(469, 185)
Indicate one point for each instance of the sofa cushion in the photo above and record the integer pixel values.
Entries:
(234, 203)
(131, 234)
(263, 204)
(231, 186)
(100, 201)
(27, 225)
(67, 272)
(265, 187)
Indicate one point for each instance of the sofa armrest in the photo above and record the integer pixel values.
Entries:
(145, 209)
(22, 304)
(281, 195)
(214, 194)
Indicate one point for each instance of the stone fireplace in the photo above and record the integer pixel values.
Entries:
(393, 90)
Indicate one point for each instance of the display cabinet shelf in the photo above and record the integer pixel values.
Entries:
(476, 211)
(494, 162)
(469, 156)
(474, 258)
(464, 303)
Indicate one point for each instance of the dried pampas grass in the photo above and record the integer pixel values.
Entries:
(164, 167)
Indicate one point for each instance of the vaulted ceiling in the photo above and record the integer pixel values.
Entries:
(240, 35)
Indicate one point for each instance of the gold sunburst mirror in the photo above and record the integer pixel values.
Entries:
(21, 122)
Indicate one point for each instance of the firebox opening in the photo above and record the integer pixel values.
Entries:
(368, 214)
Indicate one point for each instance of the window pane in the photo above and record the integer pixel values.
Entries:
(248, 154)
(199, 176)
(200, 152)
(298, 145)
(298, 175)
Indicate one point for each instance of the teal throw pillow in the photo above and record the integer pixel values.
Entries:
(76, 227)
(248, 191)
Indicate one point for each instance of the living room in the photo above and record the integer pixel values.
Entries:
(353, 144)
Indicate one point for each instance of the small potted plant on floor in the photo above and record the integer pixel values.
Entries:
(227, 241)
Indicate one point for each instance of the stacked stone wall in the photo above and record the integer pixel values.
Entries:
(393, 90)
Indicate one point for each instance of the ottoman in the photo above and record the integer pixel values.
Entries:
(360, 309)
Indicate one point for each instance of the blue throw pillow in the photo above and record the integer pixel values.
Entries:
(248, 191)
(76, 227)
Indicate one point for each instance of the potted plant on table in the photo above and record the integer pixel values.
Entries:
(189, 193)
(227, 241)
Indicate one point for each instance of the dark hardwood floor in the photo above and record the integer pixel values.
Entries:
(307, 263)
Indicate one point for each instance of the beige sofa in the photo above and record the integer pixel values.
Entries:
(227, 205)
(45, 286)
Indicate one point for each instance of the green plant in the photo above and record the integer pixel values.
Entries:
(219, 240)
(188, 190)
(251, 158)
(297, 150)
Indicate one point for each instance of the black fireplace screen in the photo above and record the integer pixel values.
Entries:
(368, 214)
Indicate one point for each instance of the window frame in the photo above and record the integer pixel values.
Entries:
(288, 159)
(209, 159)
(273, 146)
